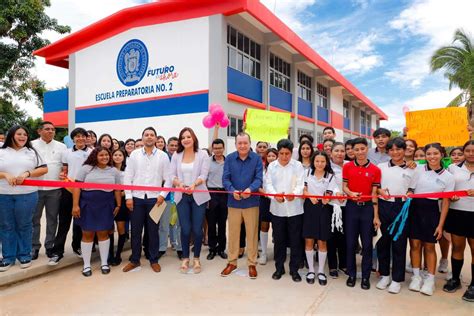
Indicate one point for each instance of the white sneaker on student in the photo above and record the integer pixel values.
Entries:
(416, 283)
(409, 268)
(394, 287)
(443, 265)
(262, 260)
(383, 283)
(428, 287)
(424, 274)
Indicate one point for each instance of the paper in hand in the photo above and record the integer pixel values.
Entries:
(157, 211)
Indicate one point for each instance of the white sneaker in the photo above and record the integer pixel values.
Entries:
(416, 283)
(443, 265)
(428, 287)
(424, 274)
(409, 268)
(262, 260)
(394, 287)
(383, 283)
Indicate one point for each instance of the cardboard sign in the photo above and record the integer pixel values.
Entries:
(447, 126)
(267, 126)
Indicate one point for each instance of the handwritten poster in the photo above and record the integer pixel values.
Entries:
(267, 126)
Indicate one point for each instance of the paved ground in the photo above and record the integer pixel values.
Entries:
(66, 291)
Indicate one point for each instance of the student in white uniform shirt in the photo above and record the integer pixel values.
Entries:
(460, 221)
(18, 161)
(318, 213)
(48, 198)
(72, 160)
(337, 259)
(286, 176)
(396, 180)
(425, 220)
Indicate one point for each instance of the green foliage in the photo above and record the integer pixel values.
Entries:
(457, 61)
(396, 133)
(21, 25)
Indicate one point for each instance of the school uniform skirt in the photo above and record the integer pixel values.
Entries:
(423, 219)
(460, 223)
(97, 210)
(124, 213)
(264, 210)
(317, 220)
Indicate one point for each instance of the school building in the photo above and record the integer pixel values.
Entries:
(162, 64)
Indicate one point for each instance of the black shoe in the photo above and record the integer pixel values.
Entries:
(5, 266)
(180, 254)
(351, 282)
(78, 252)
(322, 279)
(277, 274)
(49, 253)
(469, 294)
(54, 260)
(160, 254)
(222, 254)
(35, 254)
(452, 285)
(310, 280)
(211, 255)
(105, 269)
(87, 272)
(333, 274)
(365, 284)
(241, 255)
(295, 276)
(116, 261)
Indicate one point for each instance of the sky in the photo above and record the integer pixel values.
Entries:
(382, 46)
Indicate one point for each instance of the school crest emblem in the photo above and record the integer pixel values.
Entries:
(132, 62)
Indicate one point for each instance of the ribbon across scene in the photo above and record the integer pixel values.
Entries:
(103, 186)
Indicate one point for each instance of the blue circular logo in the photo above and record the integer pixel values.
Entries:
(132, 62)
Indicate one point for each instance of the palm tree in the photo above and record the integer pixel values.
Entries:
(457, 61)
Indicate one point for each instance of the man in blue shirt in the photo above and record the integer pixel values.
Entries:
(243, 173)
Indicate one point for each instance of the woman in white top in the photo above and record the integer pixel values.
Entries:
(317, 213)
(426, 218)
(189, 170)
(337, 243)
(460, 220)
(18, 161)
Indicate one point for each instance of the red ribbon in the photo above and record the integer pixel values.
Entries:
(105, 186)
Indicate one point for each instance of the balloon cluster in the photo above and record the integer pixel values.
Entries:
(216, 116)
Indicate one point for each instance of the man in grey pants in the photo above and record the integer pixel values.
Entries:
(48, 198)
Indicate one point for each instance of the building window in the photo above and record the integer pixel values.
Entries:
(362, 122)
(320, 138)
(304, 86)
(280, 73)
(243, 54)
(322, 96)
(347, 111)
(304, 132)
(369, 123)
(236, 126)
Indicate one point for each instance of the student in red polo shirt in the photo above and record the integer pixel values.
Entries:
(360, 177)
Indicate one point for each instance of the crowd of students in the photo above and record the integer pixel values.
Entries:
(306, 187)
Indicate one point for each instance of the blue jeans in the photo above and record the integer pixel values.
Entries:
(191, 218)
(16, 225)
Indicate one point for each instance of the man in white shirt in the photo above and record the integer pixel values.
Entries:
(286, 176)
(48, 198)
(147, 166)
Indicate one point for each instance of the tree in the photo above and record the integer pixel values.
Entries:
(21, 25)
(457, 61)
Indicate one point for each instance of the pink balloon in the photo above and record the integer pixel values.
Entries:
(208, 121)
(215, 107)
(218, 114)
(224, 122)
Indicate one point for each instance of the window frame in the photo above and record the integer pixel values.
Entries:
(279, 73)
(247, 53)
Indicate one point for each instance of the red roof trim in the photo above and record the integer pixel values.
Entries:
(176, 10)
